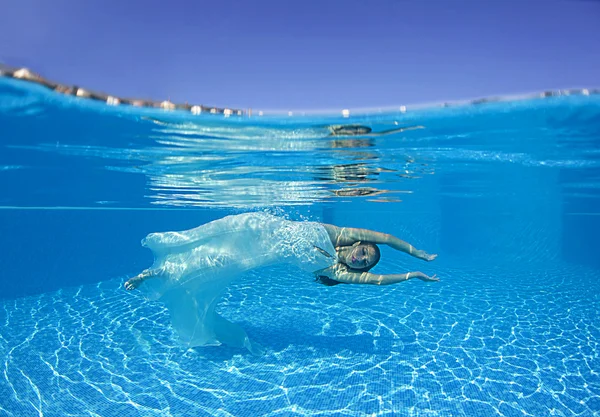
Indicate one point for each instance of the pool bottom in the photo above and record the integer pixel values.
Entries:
(474, 344)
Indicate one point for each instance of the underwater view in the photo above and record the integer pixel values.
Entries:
(503, 322)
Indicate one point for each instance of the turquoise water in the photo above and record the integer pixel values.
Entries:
(506, 193)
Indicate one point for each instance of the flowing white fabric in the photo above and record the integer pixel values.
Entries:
(195, 266)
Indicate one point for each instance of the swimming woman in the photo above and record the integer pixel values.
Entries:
(192, 268)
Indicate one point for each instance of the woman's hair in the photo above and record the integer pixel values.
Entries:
(325, 280)
(328, 282)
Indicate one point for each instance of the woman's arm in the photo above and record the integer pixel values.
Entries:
(136, 281)
(397, 130)
(346, 236)
(378, 279)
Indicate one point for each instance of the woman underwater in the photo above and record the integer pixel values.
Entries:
(193, 268)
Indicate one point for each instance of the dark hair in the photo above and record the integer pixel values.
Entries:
(328, 282)
(377, 258)
(350, 130)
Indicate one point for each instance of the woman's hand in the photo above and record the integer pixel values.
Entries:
(133, 283)
(426, 278)
(421, 254)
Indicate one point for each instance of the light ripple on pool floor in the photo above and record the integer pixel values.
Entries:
(511, 344)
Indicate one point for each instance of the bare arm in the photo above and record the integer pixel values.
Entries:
(346, 236)
(136, 281)
(378, 279)
(397, 130)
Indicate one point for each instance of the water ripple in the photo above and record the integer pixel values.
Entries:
(474, 344)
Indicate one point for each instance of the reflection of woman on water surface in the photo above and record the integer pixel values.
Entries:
(365, 131)
(192, 268)
(346, 130)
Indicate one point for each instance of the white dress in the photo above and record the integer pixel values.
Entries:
(197, 265)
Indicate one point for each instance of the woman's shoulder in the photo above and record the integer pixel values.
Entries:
(332, 231)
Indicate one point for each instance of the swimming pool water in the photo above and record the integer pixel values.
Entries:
(506, 193)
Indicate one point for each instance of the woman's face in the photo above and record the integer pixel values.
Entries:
(361, 256)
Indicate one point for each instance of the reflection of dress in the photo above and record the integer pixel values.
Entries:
(198, 264)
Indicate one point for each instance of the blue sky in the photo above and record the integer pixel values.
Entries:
(327, 54)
